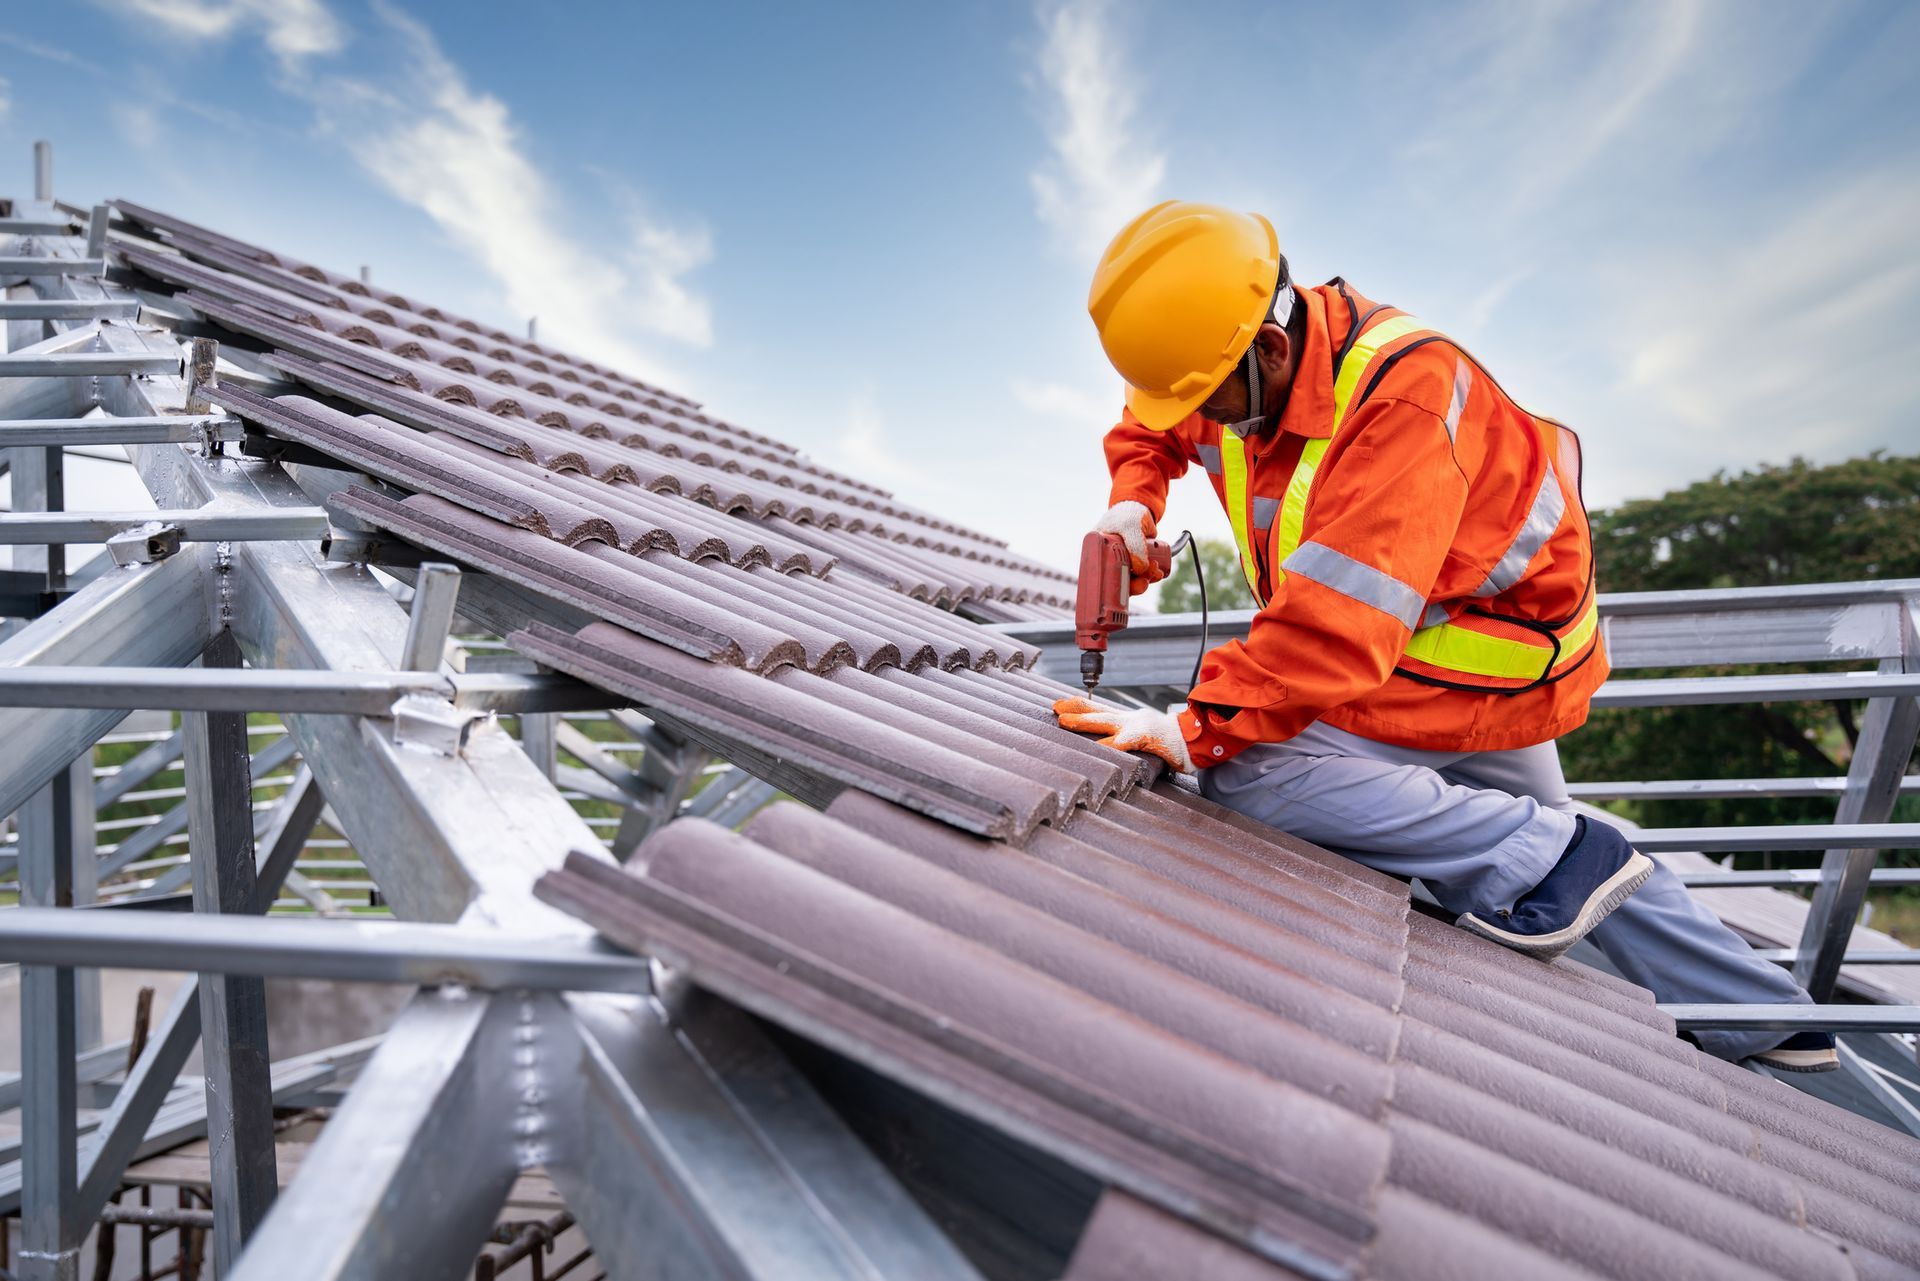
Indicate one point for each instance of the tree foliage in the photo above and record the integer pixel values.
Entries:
(1794, 524)
(1798, 523)
(1226, 585)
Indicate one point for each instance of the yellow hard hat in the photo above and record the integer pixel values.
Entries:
(1178, 297)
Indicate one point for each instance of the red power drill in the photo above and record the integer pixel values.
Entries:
(1101, 606)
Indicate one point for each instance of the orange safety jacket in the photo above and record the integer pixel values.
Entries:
(1416, 541)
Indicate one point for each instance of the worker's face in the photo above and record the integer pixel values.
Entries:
(1274, 350)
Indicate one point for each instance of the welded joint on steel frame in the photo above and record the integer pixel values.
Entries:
(144, 544)
(434, 724)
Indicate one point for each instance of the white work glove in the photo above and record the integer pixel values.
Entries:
(1139, 730)
(1135, 525)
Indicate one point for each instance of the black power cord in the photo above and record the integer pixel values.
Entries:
(1187, 540)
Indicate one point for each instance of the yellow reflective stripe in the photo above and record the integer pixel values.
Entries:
(1233, 481)
(1293, 508)
(1461, 649)
(1287, 530)
(1354, 367)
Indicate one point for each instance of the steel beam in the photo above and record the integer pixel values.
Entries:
(129, 1121)
(1701, 789)
(1873, 1079)
(1874, 776)
(1786, 836)
(1895, 956)
(233, 1008)
(273, 690)
(39, 485)
(196, 525)
(84, 364)
(436, 590)
(678, 1164)
(1693, 691)
(1781, 877)
(1795, 1018)
(51, 1229)
(362, 951)
(68, 309)
(15, 267)
(179, 429)
(407, 1177)
(38, 226)
(157, 614)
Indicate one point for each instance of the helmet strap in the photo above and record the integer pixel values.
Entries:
(1257, 423)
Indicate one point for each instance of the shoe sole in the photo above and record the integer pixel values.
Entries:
(1799, 1060)
(1611, 893)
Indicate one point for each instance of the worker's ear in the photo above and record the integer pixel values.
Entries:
(1276, 353)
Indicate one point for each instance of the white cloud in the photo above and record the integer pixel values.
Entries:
(408, 116)
(137, 122)
(6, 98)
(455, 152)
(293, 29)
(865, 448)
(1074, 406)
(1791, 342)
(1099, 173)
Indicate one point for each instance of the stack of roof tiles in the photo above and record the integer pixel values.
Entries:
(532, 420)
(1274, 1062)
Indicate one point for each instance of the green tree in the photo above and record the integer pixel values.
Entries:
(1226, 585)
(1798, 523)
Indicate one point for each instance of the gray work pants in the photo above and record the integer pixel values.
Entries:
(1480, 829)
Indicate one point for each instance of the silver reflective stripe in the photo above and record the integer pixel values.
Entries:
(1357, 580)
(1435, 615)
(1462, 384)
(1264, 510)
(1210, 458)
(1549, 504)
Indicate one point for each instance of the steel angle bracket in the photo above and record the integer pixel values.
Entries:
(435, 724)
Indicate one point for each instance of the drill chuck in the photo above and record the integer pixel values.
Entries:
(1092, 663)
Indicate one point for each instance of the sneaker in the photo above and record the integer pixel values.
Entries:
(1802, 1052)
(1595, 875)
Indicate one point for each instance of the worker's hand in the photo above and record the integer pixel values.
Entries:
(1135, 525)
(1139, 730)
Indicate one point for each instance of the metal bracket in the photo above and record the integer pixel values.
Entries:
(200, 376)
(352, 547)
(421, 720)
(144, 544)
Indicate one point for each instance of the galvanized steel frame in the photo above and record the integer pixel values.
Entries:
(728, 1177)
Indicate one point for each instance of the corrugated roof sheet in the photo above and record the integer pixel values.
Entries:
(1276, 1063)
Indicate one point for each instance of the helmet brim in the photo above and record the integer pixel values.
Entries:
(1158, 411)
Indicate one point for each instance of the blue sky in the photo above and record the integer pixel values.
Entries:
(1690, 230)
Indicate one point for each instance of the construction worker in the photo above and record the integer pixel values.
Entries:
(1418, 547)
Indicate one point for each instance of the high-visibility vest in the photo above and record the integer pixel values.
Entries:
(1474, 649)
